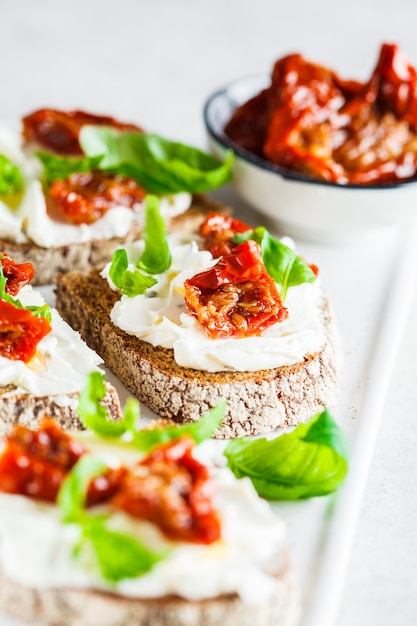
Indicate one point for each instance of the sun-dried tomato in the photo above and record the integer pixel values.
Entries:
(311, 121)
(20, 332)
(236, 297)
(59, 130)
(172, 490)
(35, 462)
(314, 268)
(17, 274)
(85, 197)
(218, 230)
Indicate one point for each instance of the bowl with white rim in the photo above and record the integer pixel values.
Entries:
(302, 206)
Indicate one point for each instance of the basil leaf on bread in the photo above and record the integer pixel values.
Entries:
(160, 166)
(118, 555)
(94, 415)
(156, 257)
(11, 179)
(286, 267)
(56, 167)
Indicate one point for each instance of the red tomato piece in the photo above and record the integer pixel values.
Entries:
(395, 84)
(218, 231)
(20, 332)
(311, 121)
(17, 274)
(34, 463)
(85, 197)
(172, 490)
(236, 297)
(59, 130)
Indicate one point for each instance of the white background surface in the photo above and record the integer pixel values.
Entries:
(154, 63)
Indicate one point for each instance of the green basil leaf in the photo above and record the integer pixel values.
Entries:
(130, 283)
(118, 267)
(11, 179)
(282, 264)
(310, 461)
(57, 167)
(159, 165)
(156, 257)
(201, 430)
(41, 311)
(92, 413)
(135, 283)
(73, 491)
(131, 415)
(119, 556)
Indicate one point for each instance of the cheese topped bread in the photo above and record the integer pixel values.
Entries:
(128, 537)
(63, 207)
(43, 362)
(277, 363)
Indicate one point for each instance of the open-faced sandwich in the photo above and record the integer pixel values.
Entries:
(43, 362)
(136, 527)
(72, 188)
(232, 314)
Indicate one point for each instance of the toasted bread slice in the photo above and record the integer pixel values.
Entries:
(258, 401)
(78, 607)
(87, 255)
(29, 410)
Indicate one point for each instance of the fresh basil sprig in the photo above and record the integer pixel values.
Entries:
(94, 415)
(199, 431)
(118, 555)
(73, 491)
(131, 283)
(156, 257)
(282, 264)
(310, 461)
(160, 166)
(57, 167)
(39, 311)
(11, 179)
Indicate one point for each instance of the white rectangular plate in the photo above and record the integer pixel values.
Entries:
(370, 284)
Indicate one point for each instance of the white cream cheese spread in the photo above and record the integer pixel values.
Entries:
(36, 549)
(61, 363)
(31, 222)
(161, 318)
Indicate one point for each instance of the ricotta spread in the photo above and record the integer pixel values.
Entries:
(31, 222)
(36, 549)
(61, 363)
(161, 318)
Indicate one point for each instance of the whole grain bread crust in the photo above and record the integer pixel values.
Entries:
(258, 402)
(87, 255)
(77, 607)
(28, 409)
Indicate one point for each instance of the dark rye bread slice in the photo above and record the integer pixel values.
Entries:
(95, 254)
(258, 402)
(77, 607)
(27, 409)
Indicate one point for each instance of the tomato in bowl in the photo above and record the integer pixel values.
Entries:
(327, 159)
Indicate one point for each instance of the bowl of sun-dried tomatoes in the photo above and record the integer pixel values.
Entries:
(324, 157)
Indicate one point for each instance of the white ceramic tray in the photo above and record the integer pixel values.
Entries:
(370, 283)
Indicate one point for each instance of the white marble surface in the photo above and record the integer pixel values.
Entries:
(155, 62)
